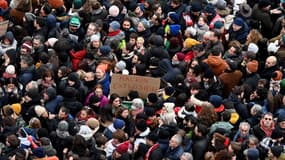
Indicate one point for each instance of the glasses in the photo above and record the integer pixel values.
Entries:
(269, 119)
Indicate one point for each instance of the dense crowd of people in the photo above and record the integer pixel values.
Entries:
(220, 63)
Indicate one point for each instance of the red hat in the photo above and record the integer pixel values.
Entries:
(27, 45)
(252, 66)
(123, 148)
(180, 56)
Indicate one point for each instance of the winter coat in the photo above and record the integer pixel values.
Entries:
(26, 75)
(199, 148)
(239, 35)
(76, 58)
(105, 82)
(52, 105)
(170, 72)
(114, 37)
(265, 19)
(174, 154)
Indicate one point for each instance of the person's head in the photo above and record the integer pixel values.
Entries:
(119, 136)
(175, 3)
(95, 41)
(45, 9)
(214, 36)
(12, 141)
(89, 76)
(244, 129)
(141, 26)
(63, 113)
(115, 100)
(202, 20)
(98, 90)
(254, 36)
(237, 24)
(122, 112)
(38, 40)
(74, 24)
(100, 71)
(201, 130)
(35, 123)
(26, 61)
(267, 120)
(252, 141)
(270, 61)
(234, 47)
(186, 156)
(175, 141)
(91, 29)
(127, 24)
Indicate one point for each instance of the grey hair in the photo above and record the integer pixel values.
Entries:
(178, 139)
(187, 155)
(244, 124)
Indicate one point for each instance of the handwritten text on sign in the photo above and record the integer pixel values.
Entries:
(122, 84)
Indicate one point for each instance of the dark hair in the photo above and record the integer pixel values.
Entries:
(47, 8)
(202, 128)
(64, 109)
(13, 141)
(226, 115)
(43, 57)
(12, 80)
(27, 59)
(113, 96)
(41, 21)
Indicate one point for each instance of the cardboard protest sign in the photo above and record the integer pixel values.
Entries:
(3, 27)
(122, 84)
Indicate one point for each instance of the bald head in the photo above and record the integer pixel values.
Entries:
(270, 61)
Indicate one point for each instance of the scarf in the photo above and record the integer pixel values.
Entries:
(114, 33)
(150, 150)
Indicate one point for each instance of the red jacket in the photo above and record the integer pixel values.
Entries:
(76, 57)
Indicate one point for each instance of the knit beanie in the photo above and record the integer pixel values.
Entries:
(277, 75)
(123, 148)
(105, 50)
(180, 56)
(62, 126)
(75, 21)
(16, 107)
(119, 124)
(10, 69)
(114, 11)
(27, 45)
(3, 4)
(218, 25)
(9, 35)
(52, 41)
(56, 3)
(252, 47)
(280, 118)
(115, 25)
(216, 100)
(252, 66)
(137, 103)
(238, 21)
(94, 37)
(39, 110)
(190, 42)
(174, 16)
(121, 65)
